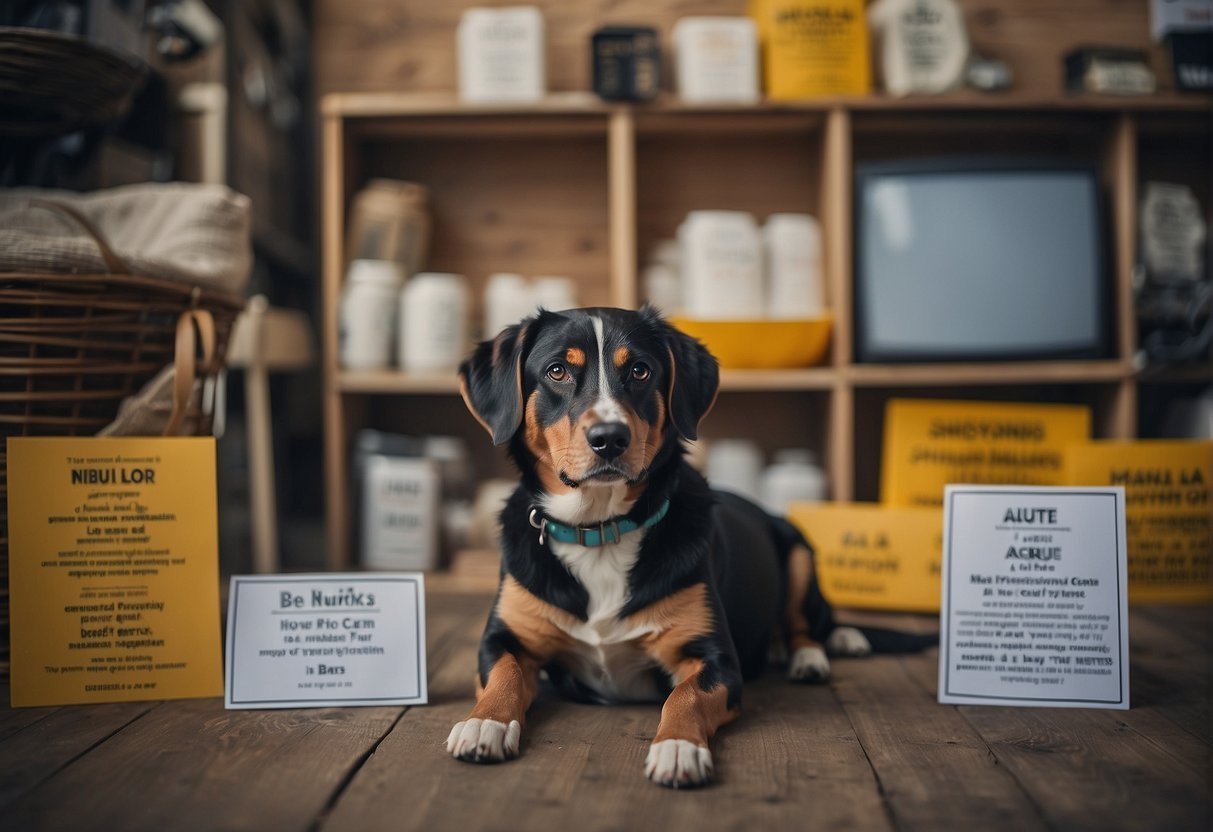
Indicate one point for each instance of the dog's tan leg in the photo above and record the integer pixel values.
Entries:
(694, 710)
(492, 730)
(807, 660)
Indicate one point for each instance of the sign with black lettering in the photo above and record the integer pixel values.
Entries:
(1035, 597)
(307, 641)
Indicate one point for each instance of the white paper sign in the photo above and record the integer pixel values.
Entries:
(327, 640)
(1034, 608)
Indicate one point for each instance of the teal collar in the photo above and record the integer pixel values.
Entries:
(610, 531)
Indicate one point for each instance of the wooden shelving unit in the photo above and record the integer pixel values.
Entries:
(577, 187)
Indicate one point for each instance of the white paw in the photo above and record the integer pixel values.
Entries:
(847, 641)
(678, 764)
(809, 664)
(484, 740)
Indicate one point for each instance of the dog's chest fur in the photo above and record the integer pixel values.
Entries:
(607, 656)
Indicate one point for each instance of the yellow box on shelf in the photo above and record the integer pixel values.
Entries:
(928, 444)
(1168, 513)
(762, 345)
(813, 47)
(870, 556)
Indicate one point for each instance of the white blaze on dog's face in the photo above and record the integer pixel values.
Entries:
(587, 399)
(595, 411)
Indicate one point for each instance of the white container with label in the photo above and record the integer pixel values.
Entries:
(367, 318)
(400, 517)
(793, 258)
(924, 46)
(507, 300)
(794, 477)
(717, 59)
(501, 55)
(662, 288)
(734, 465)
(433, 322)
(721, 266)
(553, 293)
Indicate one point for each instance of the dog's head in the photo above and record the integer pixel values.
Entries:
(593, 395)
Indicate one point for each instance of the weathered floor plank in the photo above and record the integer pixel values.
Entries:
(1099, 769)
(238, 769)
(871, 751)
(934, 769)
(792, 759)
(46, 745)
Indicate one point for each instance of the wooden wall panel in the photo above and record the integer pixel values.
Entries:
(409, 45)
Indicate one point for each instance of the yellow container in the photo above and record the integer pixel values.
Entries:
(762, 345)
(813, 47)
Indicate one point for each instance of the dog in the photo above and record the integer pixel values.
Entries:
(623, 575)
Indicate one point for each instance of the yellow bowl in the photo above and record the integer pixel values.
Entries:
(762, 345)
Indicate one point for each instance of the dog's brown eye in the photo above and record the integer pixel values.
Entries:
(641, 372)
(557, 372)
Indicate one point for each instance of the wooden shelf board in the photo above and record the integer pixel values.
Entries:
(1187, 374)
(994, 374)
(380, 104)
(808, 378)
(394, 381)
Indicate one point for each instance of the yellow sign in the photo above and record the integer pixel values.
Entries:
(929, 444)
(113, 570)
(813, 47)
(875, 557)
(1168, 513)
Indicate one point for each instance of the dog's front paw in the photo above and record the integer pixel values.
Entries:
(678, 764)
(484, 740)
(847, 641)
(809, 664)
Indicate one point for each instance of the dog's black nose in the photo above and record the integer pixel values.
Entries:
(609, 439)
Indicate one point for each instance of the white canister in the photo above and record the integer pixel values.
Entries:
(734, 465)
(662, 288)
(501, 54)
(367, 322)
(717, 59)
(507, 300)
(433, 322)
(793, 257)
(553, 293)
(721, 266)
(924, 46)
(793, 477)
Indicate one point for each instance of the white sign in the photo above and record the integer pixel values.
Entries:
(327, 640)
(1034, 608)
(1168, 16)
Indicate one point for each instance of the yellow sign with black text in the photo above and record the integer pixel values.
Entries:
(929, 444)
(1168, 513)
(113, 569)
(874, 557)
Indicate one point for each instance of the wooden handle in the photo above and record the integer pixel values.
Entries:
(113, 263)
(185, 364)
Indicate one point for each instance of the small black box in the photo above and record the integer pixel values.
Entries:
(626, 63)
(1192, 60)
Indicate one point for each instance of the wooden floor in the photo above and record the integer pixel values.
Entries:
(872, 750)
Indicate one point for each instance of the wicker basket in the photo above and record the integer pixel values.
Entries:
(73, 346)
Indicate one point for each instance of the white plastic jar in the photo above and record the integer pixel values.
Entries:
(793, 477)
(734, 465)
(717, 59)
(793, 257)
(721, 266)
(433, 322)
(367, 319)
(501, 54)
(554, 293)
(507, 300)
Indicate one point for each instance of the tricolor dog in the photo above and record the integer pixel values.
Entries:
(623, 575)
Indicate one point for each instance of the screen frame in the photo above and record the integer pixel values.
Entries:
(867, 353)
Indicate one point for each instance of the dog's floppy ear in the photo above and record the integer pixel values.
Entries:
(491, 382)
(694, 377)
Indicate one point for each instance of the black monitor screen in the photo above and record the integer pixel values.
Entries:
(956, 263)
